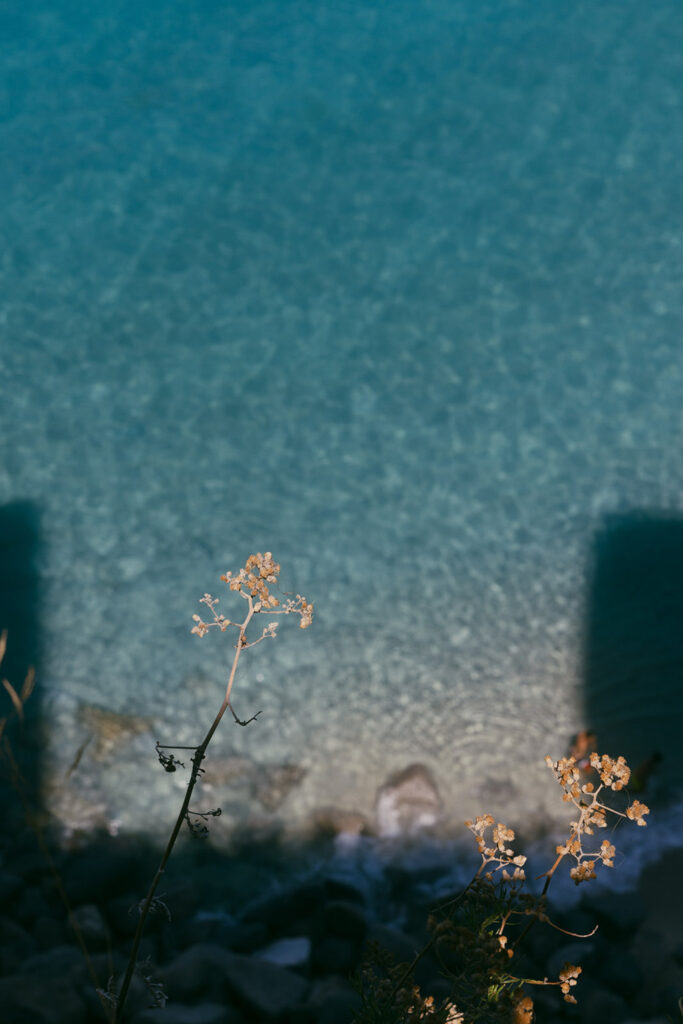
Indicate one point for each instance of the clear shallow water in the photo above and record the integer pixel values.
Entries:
(393, 291)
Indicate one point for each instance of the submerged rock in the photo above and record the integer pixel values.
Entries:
(408, 802)
(274, 782)
(331, 821)
(110, 730)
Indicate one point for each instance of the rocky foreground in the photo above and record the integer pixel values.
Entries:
(273, 933)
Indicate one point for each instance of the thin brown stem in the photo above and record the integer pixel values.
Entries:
(411, 967)
(548, 877)
(196, 767)
(539, 981)
(574, 935)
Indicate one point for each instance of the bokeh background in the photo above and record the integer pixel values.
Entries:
(392, 290)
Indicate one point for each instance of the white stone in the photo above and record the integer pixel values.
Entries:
(408, 802)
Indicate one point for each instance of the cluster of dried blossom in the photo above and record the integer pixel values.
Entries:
(614, 773)
(500, 854)
(254, 583)
(251, 583)
(568, 978)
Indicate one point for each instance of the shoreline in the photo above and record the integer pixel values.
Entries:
(265, 900)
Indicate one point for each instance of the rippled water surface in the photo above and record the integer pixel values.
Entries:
(392, 290)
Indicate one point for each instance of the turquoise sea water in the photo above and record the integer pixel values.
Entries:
(392, 290)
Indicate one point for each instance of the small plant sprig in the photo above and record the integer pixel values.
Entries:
(614, 775)
(475, 936)
(252, 584)
(18, 699)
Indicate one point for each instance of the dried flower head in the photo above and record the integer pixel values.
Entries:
(251, 583)
(501, 854)
(583, 871)
(259, 570)
(306, 612)
(614, 774)
(568, 776)
(568, 978)
(637, 811)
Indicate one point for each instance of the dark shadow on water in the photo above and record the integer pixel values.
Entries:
(633, 666)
